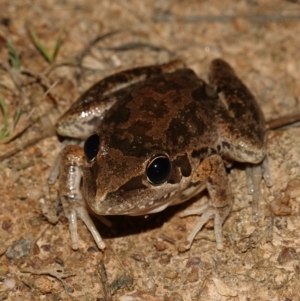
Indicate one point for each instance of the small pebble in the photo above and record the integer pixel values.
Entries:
(44, 285)
(20, 248)
(286, 255)
(35, 221)
(3, 269)
(194, 261)
(171, 274)
(6, 224)
(3, 247)
(165, 258)
(160, 245)
(193, 276)
(10, 283)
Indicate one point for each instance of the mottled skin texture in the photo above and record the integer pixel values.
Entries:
(163, 110)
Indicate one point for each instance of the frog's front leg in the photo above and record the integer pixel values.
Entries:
(242, 128)
(213, 173)
(69, 191)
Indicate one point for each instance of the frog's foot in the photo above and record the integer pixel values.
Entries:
(207, 212)
(255, 173)
(72, 210)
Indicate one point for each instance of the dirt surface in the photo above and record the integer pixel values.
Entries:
(260, 261)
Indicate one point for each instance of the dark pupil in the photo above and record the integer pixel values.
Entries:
(159, 170)
(91, 147)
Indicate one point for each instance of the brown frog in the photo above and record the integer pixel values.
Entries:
(157, 136)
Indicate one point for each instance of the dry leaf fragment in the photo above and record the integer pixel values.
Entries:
(223, 289)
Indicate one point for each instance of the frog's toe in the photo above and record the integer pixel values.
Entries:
(208, 212)
(266, 174)
(255, 173)
(72, 212)
(85, 217)
(72, 217)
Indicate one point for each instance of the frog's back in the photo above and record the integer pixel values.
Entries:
(172, 112)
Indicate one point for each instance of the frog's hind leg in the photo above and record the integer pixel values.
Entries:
(242, 128)
(240, 120)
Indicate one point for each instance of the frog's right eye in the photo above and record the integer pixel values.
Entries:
(159, 170)
(91, 147)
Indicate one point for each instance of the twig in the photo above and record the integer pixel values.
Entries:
(130, 46)
(104, 281)
(283, 121)
(167, 238)
(86, 50)
(51, 271)
(224, 18)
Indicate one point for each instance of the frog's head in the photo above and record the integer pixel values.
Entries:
(136, 179)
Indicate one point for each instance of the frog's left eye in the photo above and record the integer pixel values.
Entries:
(91, 147)
(159, 170)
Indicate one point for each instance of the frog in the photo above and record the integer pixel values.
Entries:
(156, 136)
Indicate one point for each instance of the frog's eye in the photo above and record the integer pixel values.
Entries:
(91, 147)
(158, 170)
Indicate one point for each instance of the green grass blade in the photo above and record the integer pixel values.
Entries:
(13, 56)
(4, 131)
(39, 45)
(17, 117)
(58, 43)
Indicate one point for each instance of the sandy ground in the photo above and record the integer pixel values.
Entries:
(260, 261)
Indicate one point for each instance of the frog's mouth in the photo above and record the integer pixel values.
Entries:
(137, 201)
(169, 199)
(145, 201)
(154, 207)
